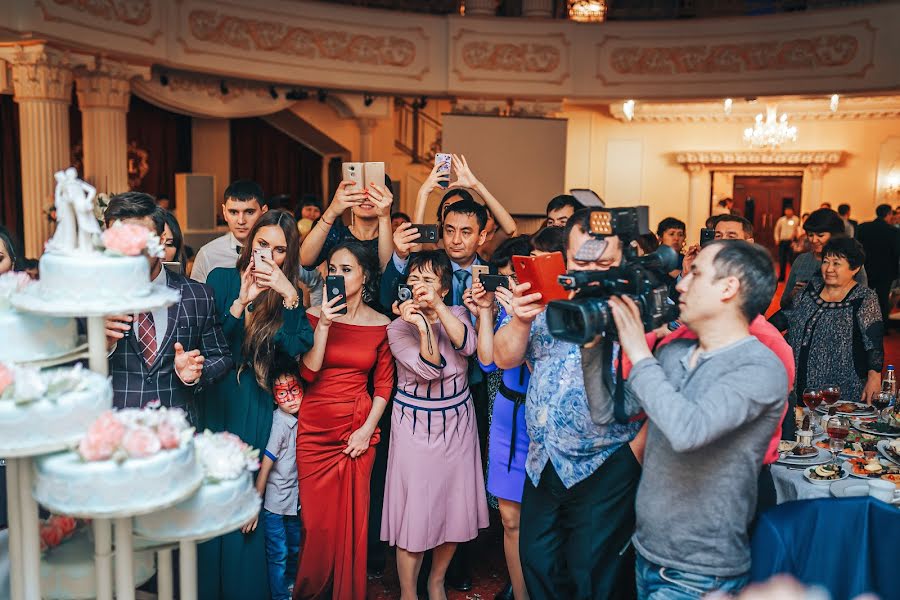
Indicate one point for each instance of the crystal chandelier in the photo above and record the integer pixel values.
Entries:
(771, 132)
(587, 11)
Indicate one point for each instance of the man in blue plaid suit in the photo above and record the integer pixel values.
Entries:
(171, 353)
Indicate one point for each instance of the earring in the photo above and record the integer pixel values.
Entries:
(366, 294)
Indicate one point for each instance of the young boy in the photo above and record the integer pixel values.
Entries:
(277, 481)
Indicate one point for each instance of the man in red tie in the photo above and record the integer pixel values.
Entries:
(167, 354)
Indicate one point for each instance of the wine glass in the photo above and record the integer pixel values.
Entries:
(812, 397)
(837, 428)
(881, 401)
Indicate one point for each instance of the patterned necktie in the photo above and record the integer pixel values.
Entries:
(147, 337)
(462, 278)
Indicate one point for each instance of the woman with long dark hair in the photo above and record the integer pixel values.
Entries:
(338, 426)
(8, 258)
(173, 241)
(261, 314)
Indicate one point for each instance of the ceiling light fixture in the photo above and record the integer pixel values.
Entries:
(587, 11)
(727, 106)
(628, 109)
(835, 102)
(771, 131)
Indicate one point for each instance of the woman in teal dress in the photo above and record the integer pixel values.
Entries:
(261, 314)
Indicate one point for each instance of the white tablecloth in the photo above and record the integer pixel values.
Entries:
(790, 484)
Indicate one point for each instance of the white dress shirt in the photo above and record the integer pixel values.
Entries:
(221, 252)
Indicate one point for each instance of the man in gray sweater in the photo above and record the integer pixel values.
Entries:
(713, 405)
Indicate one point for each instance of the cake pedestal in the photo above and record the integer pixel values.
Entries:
(15, 528)
(187, 569)
(165, 579)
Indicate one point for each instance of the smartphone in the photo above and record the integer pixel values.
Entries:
(588, 197)
(543, 273)
(374, 173)
(446, 162)
(353, 171)
(334, 286)
(428, 234)
(478, 271)
(492, 282)
(174, 266)
(404, 292)
(258, 255)
(707, 236)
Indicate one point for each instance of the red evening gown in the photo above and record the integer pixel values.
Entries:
(334, 488)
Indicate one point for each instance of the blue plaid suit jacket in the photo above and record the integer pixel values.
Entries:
(192, 322)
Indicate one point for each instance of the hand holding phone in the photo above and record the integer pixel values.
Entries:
(428, 234)
(492, 282)
(353, 171)
(542, 272)
(258, 263)
(706, 236)
(478, 271)
(334, 287)
(443, 164)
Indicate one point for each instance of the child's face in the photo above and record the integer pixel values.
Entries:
(288, 394)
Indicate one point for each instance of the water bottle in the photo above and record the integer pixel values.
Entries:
(889, 384)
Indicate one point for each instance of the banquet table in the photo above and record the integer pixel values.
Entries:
(790, 484)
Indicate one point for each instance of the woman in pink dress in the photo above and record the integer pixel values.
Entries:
(434, 494)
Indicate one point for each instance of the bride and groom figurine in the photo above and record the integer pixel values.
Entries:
(76, 224)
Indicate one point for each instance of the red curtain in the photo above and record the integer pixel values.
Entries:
(159, 146)
(276, 161)
(10, 167)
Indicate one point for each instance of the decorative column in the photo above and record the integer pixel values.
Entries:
(537, 9)
(103, 96)
(481, 8)
(42, 82)
(816, 179)
(366, 125)
(698, 197)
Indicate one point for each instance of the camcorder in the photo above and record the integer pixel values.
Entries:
(587, 314)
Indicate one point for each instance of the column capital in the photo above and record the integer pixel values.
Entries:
(817, 170)
(108, 85)
(695, 168)
(366, 124)
(41, 72)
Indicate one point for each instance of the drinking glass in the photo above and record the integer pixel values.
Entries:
(831, 394)
(812, 397)
(881, 401)
(837, 428)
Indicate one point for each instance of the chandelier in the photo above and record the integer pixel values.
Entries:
(587, 11)
(771, 132)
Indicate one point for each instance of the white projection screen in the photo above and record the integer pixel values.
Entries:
(522, 161)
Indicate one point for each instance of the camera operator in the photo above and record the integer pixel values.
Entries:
(713, 404)
(578, 502)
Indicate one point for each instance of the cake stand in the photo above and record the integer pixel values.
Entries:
(25, 558)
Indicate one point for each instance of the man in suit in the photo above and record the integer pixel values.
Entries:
(850, 226)
(167, 354)
(881, 241)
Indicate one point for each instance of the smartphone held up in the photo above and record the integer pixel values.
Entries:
(444, 162)
(334, 287)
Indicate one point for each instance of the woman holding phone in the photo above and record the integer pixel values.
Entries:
(338, 426)
(259, 307)
(508, 438)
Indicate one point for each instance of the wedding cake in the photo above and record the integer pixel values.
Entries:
(227, 493)
(28, 337)
(141, 459)
(87, 272)
(48, 411)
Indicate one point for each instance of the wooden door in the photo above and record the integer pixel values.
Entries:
(761, 200)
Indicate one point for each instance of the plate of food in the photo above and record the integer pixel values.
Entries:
(826, 474)
(848, 488)
(893, 478)
(786, 445)
(876, 428)
(804, 456)
(872, 468)
(848, 409)
(855, 446)
(890, 449)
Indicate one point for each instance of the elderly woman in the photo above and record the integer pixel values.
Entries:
(821, 226)
(834, 326)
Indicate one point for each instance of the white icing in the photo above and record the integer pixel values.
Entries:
(67, 571)
(217, 508)
(53, 422)
(29, 337)
(92, 275)
(66, 484)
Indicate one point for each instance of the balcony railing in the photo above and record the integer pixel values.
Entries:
(418, 134)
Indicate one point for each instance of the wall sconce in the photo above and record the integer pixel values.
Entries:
(628, 109)
(835, 101)
(892, 186)
(727, 106)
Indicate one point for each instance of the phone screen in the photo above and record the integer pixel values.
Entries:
(492, 282)
(334, 286)
(543, 273)
(445, 161)
(173, 266)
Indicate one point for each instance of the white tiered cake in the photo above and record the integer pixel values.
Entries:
(28, 337)
(142, 459)
(226, 500)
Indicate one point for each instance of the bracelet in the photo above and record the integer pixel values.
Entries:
(322, 219)
(293, 305)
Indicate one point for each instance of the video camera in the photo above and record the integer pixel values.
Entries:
(642, 278)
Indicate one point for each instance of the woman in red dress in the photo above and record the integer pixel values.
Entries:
(337, 425)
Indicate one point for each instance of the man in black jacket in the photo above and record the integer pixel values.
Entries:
(881, 242)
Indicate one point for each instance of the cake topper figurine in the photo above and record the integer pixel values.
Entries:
(76, 224)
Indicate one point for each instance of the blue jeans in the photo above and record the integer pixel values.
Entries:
(662, 583)
(282, 548)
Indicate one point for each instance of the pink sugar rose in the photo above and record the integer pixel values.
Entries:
(103, 437)
(169, 435)
(6, 377)
(141, 442)
(126, 238)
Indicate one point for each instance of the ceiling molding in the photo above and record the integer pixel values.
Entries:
(849, 109)
(756, 158)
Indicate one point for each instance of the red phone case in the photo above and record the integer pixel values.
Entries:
(542, 272)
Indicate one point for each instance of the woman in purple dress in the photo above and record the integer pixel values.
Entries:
(434, 493)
